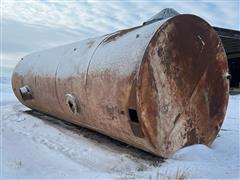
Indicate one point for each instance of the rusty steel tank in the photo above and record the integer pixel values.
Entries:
(159, 86)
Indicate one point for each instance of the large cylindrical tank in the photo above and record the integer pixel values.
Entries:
(158, 87)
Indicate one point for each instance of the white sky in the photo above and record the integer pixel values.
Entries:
(29, 26)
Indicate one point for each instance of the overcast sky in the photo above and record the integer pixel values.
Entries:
(29, 26)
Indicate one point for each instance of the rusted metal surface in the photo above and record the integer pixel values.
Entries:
(158, 87)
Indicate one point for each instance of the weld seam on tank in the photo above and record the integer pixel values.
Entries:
(96, 94)
(56, 91)
(90, 60)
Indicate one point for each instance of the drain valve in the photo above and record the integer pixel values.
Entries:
(26, 93)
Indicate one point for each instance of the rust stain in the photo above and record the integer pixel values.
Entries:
(118, 34)
(90, 43)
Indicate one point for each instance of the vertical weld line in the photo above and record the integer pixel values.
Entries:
(86, 75)
(55, 84)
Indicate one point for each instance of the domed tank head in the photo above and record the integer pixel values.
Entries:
(183, 86)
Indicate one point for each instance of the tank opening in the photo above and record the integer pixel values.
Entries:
(133, 115)
(71, 103)
(72, 106)
(134, 123)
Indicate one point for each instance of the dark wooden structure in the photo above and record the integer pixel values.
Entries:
(231, 42)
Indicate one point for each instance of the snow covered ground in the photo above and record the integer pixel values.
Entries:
(37, 146)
